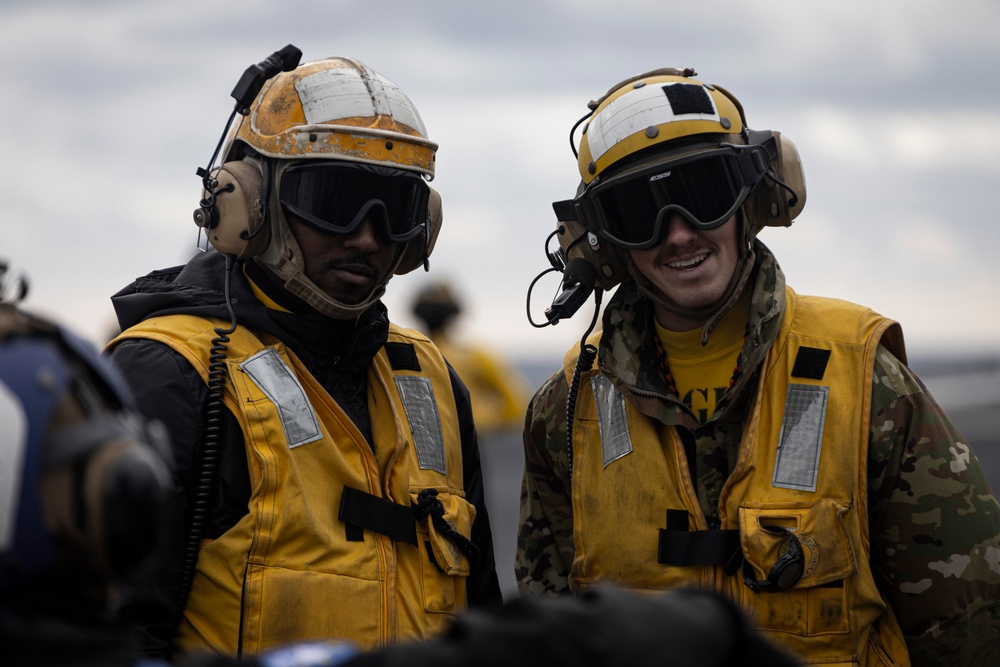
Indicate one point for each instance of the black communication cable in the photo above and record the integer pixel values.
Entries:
(209, 458)
(584, 362)
(245, 92)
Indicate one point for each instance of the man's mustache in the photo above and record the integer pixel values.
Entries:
(353, 263)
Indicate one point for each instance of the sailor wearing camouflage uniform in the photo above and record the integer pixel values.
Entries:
(737, 436)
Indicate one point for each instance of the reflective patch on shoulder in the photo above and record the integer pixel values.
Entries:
(801, 439)
(615, 439)
(268, 371)
(425, 423)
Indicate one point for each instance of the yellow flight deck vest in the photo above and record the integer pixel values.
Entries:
(331, 547)
(802, 469)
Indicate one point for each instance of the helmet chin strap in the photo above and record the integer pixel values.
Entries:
(713, 313)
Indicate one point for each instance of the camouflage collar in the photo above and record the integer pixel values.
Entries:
(627, 353)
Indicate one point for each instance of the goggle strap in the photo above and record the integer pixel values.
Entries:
(758, 158)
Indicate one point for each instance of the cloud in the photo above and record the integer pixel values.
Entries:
(111, 107)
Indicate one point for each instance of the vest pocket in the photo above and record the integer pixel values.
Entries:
(818, 603)
(444, 566)
(282, 605)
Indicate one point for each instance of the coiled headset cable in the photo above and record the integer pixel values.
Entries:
(579, 278)
(584, 362)
(209, 459)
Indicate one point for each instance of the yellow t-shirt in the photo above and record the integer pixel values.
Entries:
(702, 374)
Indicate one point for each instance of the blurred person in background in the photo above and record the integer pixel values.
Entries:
(498, 390)
(733, 434)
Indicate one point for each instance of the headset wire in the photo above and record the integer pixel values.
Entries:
(210, 448)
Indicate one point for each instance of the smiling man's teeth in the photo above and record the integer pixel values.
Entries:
(683, 264)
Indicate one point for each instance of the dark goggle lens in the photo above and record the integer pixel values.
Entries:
(706, 192)
(336, 198)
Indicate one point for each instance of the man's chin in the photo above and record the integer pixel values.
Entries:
(350, 297)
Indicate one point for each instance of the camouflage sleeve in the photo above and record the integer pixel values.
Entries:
(935, 525)
(545, 531)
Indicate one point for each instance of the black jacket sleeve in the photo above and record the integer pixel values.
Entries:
(167, 388)
(483, 586)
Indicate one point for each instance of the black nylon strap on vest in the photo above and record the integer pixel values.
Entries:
(679, 546)
(810, 363)
(360, 510)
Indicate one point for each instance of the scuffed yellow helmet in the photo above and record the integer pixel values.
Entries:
(341, 109)
(650, 109)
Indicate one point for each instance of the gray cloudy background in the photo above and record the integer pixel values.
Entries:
(109, 107)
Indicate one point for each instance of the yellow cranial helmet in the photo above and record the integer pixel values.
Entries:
(661, 144)
(650, 109)
(332, 142)
(340, 109)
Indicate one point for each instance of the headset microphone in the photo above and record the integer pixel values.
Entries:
(247, 207)
(579, 278)
(253, 79)
(247, 88)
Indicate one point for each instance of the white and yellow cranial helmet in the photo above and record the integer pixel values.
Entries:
(328, 119)
(338, 109)
(650, 109)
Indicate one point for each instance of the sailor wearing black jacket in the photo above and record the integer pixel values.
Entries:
(294, 306)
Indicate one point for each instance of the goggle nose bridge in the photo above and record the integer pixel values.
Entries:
(376, 210)
(367, 210)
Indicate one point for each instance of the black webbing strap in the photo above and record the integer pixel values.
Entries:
(679, 546)
(360, 510)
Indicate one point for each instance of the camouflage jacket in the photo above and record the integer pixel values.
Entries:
(935, 524)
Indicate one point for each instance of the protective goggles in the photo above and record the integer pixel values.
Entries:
(631, 208)
(335, 197)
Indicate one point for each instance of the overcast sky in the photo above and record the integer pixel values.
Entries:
(110, 107)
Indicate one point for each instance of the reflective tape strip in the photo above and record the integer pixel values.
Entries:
(334, 94)
(801, 439)
(13, 443)
(425, 422)
(268, 371)
(638, 109)
(615, 439)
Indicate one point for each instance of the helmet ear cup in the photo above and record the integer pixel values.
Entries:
(127, 487)
(104, 509)
(778, 203)
(233, 212)
(790, 171)
(416, 251)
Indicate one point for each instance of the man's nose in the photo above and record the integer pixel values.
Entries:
(677, 229)
(365, 236)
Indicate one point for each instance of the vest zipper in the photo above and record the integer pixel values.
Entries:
(668, 398)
